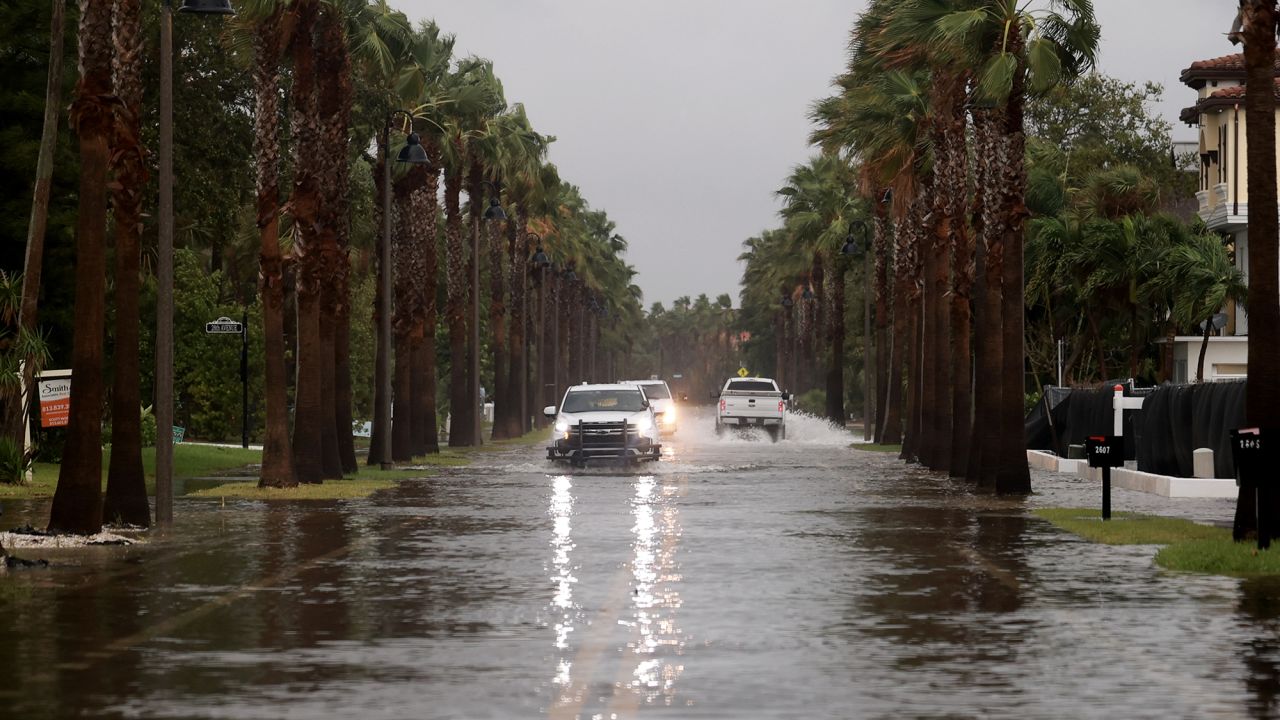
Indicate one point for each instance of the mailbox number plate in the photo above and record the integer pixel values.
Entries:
(1105, 451)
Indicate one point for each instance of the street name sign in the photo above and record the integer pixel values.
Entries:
(224, 326)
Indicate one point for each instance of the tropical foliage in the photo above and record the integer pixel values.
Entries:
(282, 200)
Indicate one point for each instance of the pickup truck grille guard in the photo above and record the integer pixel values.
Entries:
(601, 440)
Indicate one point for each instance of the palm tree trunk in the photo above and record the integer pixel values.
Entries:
(960, 246)
(1262, 388)
(277, 452)
(931, 360)
(429, 203)
(334, 105)
(475, 223)
(1013, 473)
(409, 263)
(498, 329)
(884, 400)
(344, 396)
(330, 458)
(895, 392)
(835, 290)
(461, 418)
(913, 268)
(77, 501)
(990, 264)
(126, 497)
(33, 264)
(517, 384)
(308, 433)
(380, 305)
(1204, 348)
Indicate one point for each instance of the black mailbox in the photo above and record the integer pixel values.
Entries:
(1105, 451)
(1248, 451)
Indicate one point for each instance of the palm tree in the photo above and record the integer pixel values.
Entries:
(1015, 51)
(1202, 278)
(475, 79)
(1256, 27)
(426, 79)
(818, 209)
(268, 49)
(308, 433)
(77, 501)
(126, 497)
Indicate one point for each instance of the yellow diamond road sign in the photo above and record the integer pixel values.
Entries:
(742, 372)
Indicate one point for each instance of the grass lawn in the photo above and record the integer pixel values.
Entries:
(366, 480)
(876, 447)
(188, 461)
(1126, 528)
(1189, 547)
(1220, 557)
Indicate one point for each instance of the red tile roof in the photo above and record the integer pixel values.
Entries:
(1226, 97)
(1226, 62)
(1225, 67)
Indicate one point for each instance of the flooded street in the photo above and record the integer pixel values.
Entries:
(734, 579)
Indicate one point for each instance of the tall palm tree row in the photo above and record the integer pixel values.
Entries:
(343, 66)
(925, 78)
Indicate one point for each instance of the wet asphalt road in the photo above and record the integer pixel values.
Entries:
(734, 579)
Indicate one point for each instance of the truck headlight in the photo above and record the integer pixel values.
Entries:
(669, 417)
(562, 426)
(644, 424)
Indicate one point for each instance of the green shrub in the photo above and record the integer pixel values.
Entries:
(148, 429)
(14, 463)
(813, 402)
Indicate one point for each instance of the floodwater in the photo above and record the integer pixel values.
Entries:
(734, 579)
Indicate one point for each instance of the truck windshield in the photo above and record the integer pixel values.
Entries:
(603, 401)
(751, 386)
(656, 391)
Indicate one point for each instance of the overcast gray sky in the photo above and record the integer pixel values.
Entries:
(681, 117)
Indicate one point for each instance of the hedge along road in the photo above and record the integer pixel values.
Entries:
(735, 579)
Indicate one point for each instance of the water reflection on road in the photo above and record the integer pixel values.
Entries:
(734, 579)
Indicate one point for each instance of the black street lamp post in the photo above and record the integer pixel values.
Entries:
(540, 262)
(412, 153)
(492, 213)
(164, 255)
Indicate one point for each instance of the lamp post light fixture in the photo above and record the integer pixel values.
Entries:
(494, 211)
(164, 255)
(414, 154)
(859, 242)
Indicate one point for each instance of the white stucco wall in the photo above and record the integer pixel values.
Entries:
(1225, 359)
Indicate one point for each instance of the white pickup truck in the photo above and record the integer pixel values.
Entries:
(752, 402)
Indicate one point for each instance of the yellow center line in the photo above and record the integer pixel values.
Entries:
(571, 701)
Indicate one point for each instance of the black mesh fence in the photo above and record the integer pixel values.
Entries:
(1175, 420)
(1066, 416)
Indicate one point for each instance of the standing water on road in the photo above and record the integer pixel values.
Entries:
(736, 578)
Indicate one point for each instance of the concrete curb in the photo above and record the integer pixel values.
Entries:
(1164, 485)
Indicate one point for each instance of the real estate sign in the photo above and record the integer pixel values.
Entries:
(55, 398)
